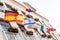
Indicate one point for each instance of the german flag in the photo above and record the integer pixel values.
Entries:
(10, 15)
(14, 17)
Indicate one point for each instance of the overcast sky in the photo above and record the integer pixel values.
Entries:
(50, 9)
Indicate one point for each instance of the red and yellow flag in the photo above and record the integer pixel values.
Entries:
(14, 17)
(18, 18)
(10, 16)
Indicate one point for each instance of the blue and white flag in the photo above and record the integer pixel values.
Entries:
(28, 21)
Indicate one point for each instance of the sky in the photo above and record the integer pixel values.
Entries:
(49, 9)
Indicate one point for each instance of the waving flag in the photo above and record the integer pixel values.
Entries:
(50, 29)
(18, 18)
(28, 10)
(32, 27)
(10, 15)
(28, 21)
(42, 28)
(13, 17)
(4, 24)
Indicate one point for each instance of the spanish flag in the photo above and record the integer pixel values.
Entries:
(18, 18)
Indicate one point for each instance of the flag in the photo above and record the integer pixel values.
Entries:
(4, 24)
(28, 21)
(50, 29)
(18, 18)
(14, 17)
(32, 27)
(28, 10)
(10, 16)
(42, 28)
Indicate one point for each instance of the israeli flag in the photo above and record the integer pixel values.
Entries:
(28, 21)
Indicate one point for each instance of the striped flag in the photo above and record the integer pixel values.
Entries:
(18, 18)
(10, 16)
(28, 21)
(32, 26)
(14, 17)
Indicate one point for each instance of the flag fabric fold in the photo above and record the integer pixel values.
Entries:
(13, 17)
